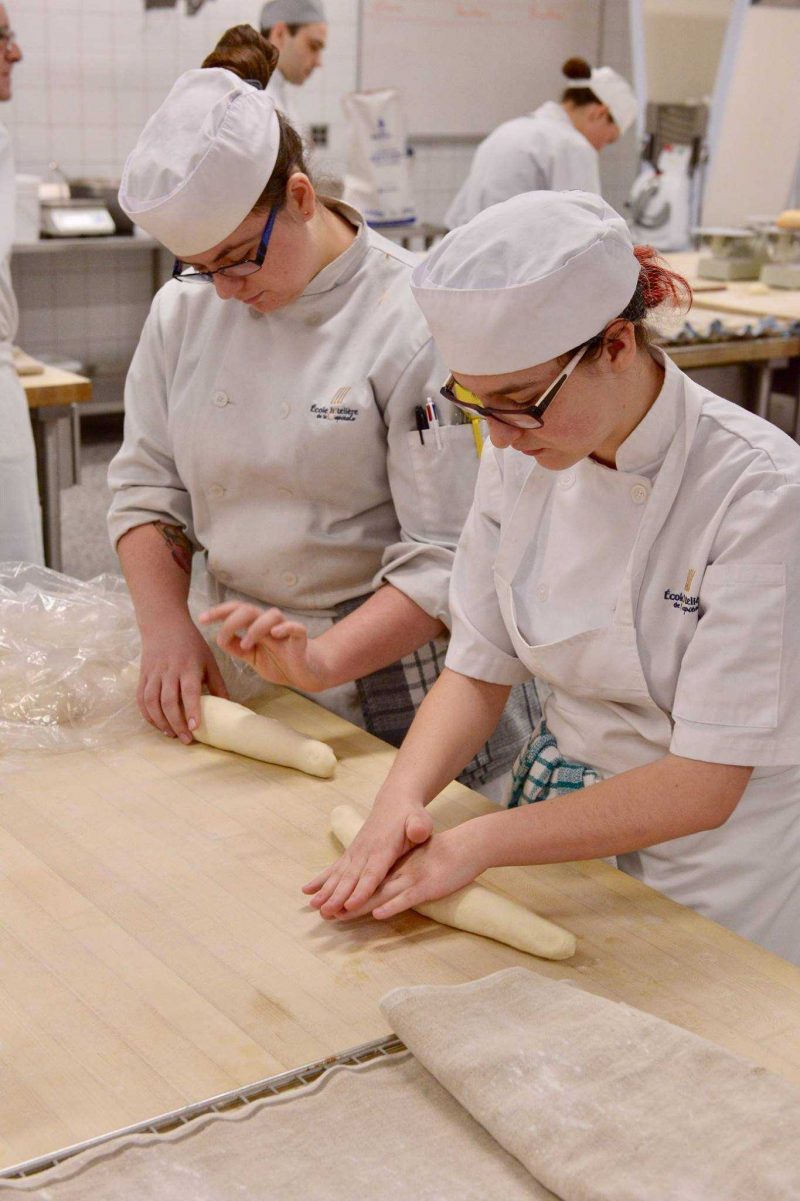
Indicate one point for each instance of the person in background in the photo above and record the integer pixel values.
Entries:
(551, 149)
(272, 420)
(20, 514)
(297, 29)
(633, 545)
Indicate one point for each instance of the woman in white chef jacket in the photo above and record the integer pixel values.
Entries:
(20, 515)
(554, 147)
(270, 421)
(634, 546)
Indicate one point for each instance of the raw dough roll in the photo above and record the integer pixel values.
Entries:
(478, 910)
(232, 727)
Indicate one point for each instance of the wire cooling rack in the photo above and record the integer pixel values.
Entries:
(224, 1103)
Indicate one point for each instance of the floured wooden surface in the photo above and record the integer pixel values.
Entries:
(157, 950)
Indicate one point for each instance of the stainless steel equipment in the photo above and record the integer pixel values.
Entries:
(729, 253)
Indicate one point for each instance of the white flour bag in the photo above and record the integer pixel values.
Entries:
(378, 181)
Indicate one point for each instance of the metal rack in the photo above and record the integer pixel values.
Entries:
(272, 1086)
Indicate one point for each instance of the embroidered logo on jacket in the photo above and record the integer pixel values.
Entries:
(684, 600)
(335, 410)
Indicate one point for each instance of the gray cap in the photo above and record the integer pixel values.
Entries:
(293, 12)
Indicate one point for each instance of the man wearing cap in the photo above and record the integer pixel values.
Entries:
(20, 514)
(553, 148)
(633, 548)
(298, 30)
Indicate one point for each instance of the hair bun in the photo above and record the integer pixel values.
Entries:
(246, 53)
(576, 68)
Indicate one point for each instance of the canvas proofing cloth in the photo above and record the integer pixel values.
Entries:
(598, 1101)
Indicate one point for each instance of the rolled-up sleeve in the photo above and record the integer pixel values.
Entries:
(143, 478)
(737, 699)
(480, 646)
(431, 485)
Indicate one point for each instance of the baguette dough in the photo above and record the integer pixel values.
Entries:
(232, 727)
(477, 909)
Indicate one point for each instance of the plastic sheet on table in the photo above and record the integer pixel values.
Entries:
(69, 661)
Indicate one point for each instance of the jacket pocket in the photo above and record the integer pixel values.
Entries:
(445, 477)
(731, 671)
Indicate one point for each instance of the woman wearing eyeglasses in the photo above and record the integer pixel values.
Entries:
(634, 547)
(270, 422)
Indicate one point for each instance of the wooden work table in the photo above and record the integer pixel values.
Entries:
(156, 949)
(748, 297)
(52, 396)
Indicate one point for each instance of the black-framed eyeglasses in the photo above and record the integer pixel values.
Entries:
(188, 274)
(526, 418)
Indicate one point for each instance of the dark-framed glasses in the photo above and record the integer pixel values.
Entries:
(529, 418)
(7, 36)
(244, 267)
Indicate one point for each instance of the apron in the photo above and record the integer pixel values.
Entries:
(596, 701)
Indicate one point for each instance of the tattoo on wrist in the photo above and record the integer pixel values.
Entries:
(178, 543)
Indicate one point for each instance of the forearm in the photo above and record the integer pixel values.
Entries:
(156, 560)
(385, 628)
(453, 722)
(667, 799)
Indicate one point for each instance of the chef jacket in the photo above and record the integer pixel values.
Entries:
(542, 151)
(286, 444)
(20, 514)
(8, 303)
(714, 587)
(281, 91)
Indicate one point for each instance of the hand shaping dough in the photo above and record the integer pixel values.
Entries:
(232, 727)
(476, 909)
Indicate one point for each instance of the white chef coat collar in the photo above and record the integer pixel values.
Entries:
(645, 448)
(346, 265)
(553, 111)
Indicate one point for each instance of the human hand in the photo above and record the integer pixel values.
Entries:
(389, 832)
(176, 663)
(279, 650)
(444, 864)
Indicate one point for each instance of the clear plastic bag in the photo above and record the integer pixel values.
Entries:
(69, 660)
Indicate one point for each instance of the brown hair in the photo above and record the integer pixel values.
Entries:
(249, 55)
(578, 68)
(655, 286)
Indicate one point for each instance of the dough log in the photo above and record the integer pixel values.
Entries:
(478, 910)
(232, 727)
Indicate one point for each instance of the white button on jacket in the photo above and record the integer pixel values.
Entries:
(542, 151)
(704, 584)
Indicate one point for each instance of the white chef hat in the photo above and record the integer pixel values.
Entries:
(201, 161)
(525, 281)
(615, 92)
(293, 12)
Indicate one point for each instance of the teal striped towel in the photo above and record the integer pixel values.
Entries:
(541, 771)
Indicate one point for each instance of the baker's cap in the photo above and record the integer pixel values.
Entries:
(201, 161)
(293, 12)
(525, 281)
(616, 93)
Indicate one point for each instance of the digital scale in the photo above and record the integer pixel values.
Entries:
(782, 268)
(729, 254)
(76, 219)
